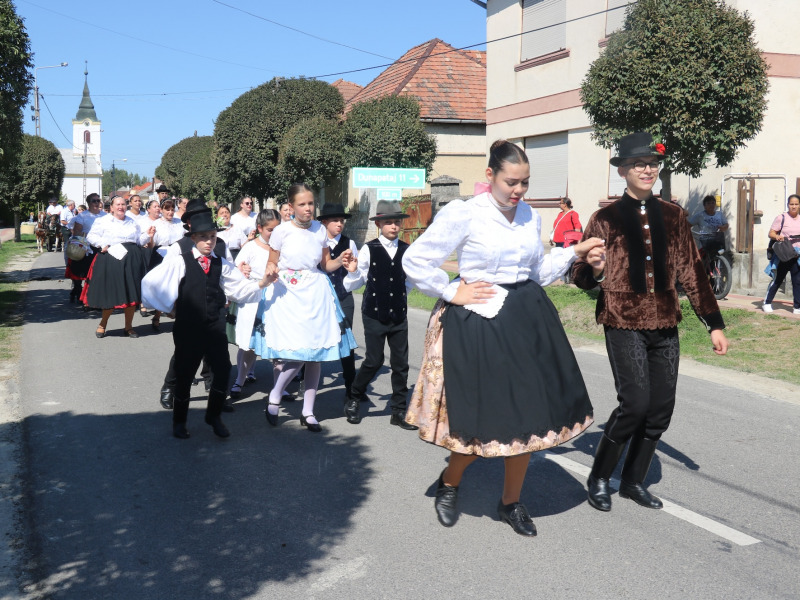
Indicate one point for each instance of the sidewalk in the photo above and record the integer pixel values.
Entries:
(7, 234)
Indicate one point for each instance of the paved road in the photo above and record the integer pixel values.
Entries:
(118, 508)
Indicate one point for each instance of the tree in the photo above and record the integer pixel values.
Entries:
(123, 179)
(387, 132)
(312, 152)
(689, 73)
(187, 167)
(15, 85)
(40, 173)
(248, 133)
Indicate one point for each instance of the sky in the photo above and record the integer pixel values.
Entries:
(161, 70)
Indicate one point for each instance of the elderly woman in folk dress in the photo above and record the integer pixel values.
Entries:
(495, 342)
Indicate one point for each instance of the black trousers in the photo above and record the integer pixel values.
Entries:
(376, 335)
(645, 368)
(790, 267)
(348, 362)
(193, 343)
(169, 378)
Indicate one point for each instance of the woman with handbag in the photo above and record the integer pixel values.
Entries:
(567, 222)
(786, 228)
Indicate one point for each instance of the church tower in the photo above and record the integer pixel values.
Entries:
(86, 126)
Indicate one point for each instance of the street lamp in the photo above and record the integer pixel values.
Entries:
(114, 173)
(36, 118)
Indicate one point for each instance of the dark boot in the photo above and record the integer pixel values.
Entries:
(637, 464)
(216, 400)
(351, 409)
(605, 461)
(167, 397)
(445, 503)
(180, 413)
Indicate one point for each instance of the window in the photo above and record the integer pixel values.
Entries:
(87, 137)
(616, 184)
(547, 17)
(615, 19)
(547, 155)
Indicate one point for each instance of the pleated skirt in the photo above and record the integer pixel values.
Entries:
(114, 283)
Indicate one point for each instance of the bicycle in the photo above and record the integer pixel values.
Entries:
(718, 268)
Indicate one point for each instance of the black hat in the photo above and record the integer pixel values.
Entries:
(162, 188)
(333, 211)
(194, 206)
(200, 222)
(388, 209)
(637, 145)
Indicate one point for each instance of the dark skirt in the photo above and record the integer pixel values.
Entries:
(116, 283)
(503, 386)
(78, 270)
(151, 258)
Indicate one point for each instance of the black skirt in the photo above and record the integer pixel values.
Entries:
(513, 377)
(116, 283)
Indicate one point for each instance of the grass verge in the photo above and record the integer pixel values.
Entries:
(11, 296)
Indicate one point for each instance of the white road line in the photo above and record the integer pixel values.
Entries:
(723, 531)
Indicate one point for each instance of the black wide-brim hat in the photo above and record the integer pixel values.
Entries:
(388, 209)
(638, 145)
(193, 207)
(332, 211)
(162, 188)
(200, 222)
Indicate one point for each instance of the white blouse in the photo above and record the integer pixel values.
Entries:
(246, 224)
(160, 286)
(299, 248)
(489, 248)
(233, 237)
(86, 220)
(256, 256)
(167, 232)
(110, 230)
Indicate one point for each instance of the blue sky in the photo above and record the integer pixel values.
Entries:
(159, 71)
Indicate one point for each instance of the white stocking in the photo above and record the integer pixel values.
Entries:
(311, 381)
(284, 372)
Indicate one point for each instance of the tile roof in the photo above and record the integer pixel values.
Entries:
(449, 84)
(348, 89)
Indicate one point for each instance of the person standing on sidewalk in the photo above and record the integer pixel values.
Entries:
(648, 246)
(786, 226)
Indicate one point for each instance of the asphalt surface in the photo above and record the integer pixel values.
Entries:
(113, 506)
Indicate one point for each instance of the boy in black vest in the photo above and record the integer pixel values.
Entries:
(194, 286)
(332, 216)
(383, 310)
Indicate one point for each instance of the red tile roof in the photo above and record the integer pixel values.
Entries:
(449, 84)
(348, 89)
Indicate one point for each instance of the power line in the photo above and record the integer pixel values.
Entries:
(69, 141)
(300, 31)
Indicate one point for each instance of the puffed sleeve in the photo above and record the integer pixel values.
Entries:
(423, 259)
(236, 287)
(95, 235)
(546, 268)
(160, 286)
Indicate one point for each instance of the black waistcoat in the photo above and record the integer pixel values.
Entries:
(385, 294)
(337, 277)
(201, 300)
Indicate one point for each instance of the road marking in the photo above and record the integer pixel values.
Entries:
(723, 531)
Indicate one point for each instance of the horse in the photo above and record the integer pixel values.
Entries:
(53, 232)
(40, 230)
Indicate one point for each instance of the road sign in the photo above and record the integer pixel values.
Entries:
(379, 177)
(390, 194)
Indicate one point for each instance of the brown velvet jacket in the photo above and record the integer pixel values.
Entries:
(646, 252)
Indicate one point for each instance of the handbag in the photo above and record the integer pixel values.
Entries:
(784, 251)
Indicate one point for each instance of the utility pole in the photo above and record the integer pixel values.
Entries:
(36, 117)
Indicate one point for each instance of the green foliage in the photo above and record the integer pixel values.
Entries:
(312, 152)
(387, 132)
(187, 167)
(15, 85)
(123, 179)
(687, 72)
(249, 132)
(39, 174)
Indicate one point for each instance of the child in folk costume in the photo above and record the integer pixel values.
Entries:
(302, 319)
(383, 311)
(194, 286)
(252, 262)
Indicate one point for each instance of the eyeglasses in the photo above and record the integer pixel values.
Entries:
(247, 203)
(639, 166)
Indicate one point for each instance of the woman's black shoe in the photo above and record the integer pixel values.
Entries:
(315, 427)
(516, 515)
(445, 503)
(271, 419)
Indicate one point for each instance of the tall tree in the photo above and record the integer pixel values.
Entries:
(40, 173)
(312, 152)
(387, 132)
(15, 85)
(187, 167)
(248, 133)
(690, 73)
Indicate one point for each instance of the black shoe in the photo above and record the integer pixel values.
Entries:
(351, 410)
(236, 391)
(227, 406)
(445, 503)
(219, 427)
(131, 333)
(599, 495)
(605, 461)
(249, 379)
(179, 431)
(167, 398)
(399, 420)
(314, 427)
(638, 494)
(271, 419)
(516, 515)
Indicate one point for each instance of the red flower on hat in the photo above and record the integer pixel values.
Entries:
(661, 149)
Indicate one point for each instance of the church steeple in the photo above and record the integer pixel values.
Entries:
(86, 109)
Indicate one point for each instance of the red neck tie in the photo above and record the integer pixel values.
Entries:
(205, 263)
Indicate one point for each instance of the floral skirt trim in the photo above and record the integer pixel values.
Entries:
(428, 408)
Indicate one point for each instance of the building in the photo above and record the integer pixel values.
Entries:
(533, 98)
(84, 170)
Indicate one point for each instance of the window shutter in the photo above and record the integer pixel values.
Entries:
(615, 19)
(548, 158)
(540, 13)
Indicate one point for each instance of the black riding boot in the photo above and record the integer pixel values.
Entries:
(605, 461)
(637, 464)
(180, 412)
(216, 401)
